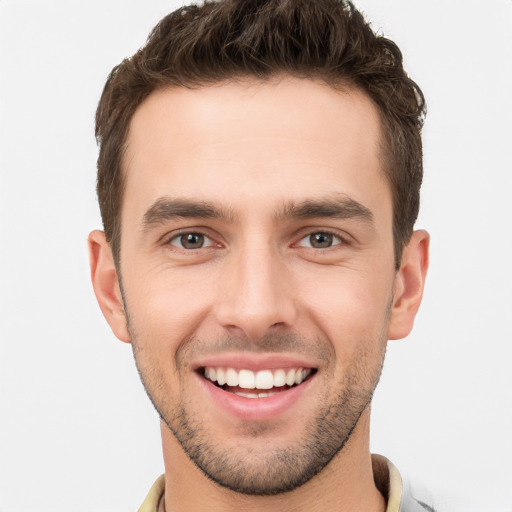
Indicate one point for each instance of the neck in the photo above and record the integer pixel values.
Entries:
(345, 484)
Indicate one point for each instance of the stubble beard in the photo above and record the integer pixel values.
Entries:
(252, 471)
(256, 471)
(261, 472)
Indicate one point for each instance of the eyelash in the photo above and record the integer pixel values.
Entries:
(340, 240)
(335, 235)
(177, 236)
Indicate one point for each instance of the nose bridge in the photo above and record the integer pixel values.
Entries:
(255, 295)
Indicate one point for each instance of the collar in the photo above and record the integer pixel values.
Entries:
(386, 477)
(388, 481)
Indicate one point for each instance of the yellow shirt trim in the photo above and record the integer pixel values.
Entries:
(154, 496)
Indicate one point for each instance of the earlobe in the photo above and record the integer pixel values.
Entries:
(106, 284)
(408, 285)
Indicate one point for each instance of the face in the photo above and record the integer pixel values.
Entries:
(258, 273)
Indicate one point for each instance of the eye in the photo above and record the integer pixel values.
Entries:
(320, 240)
(191, 241)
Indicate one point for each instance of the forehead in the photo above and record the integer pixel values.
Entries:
(276, 140)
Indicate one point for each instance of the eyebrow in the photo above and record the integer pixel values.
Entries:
(342, 207)
(166, 208)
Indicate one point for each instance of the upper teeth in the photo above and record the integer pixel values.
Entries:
(263, 379)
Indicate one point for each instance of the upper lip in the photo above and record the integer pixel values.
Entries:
(255, 362)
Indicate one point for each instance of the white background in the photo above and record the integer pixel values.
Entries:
(77, 432)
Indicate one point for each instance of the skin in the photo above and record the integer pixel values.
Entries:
(259, 287)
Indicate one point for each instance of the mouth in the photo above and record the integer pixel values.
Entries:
(259, 384)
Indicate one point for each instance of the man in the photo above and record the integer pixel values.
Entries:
(258, 178)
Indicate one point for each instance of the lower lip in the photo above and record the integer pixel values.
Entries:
(256, 409)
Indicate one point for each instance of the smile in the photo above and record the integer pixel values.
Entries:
(256, 384)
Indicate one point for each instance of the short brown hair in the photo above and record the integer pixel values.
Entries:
(329, 40)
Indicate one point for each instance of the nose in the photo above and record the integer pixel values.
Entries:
(256, 294)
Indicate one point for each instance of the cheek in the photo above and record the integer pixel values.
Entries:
(167, 305)
(350, 307)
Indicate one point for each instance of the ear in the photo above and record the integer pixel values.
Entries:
(408, 285)
(106, 284)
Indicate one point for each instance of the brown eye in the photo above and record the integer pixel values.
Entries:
(320, 240)
(191, 241)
